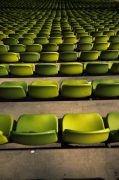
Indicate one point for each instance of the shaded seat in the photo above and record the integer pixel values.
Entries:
(4, 48)
(85, 39)
(29, 35)
(89, 55)
(50, 47)
(96, 68)
(68, 56)
(9, 57)
(16, 35)
(71, 68)
(29, 57)
(49, 56)
(114, 46)
(101, 46)
(46, 69)
(2, 36)
(56, 40)
(66, 47)
(6, 126)
(17, 48)
(114, 39)
(109, 55)
(4, 70)
(41, 40)
(21, 69)
(13, 89)
(113, 125)
(36, 129)
(101, 39)
(26, 41)
(70, 39)
(43, 89)
(34, 48)
(114, 67)
(76, 88)
(109, 33)
(10, 41)
(84, 128)
(84, 46)
(106, 88)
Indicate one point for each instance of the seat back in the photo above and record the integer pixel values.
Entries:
(6, 124)
(83, 122)
(37, 123)
(113, 120)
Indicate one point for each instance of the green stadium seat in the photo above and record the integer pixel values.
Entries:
(114, 39)
(84, 46)
(2, 36)
(71, 68)
(114, 67)
(29, 57)
(6, 126)
(50, 47)
(13, 90)
(66, 47)
(49, 56)
(55, 40)
(68, 56)
(96, 68)
(84, 128)
(101, 46)
(114, 46)
(34, 48)
(85, 39)
(4, 70)
(30, 35)
(101, 39)
(41, 40)
(4, 48)
(26, 41)
(36, 129)
(9, 57)
(109, 55)
(76, 89)
(21, 69)
(46, 69)
(89, 55)
(18, 48)
(70, 39)
(113, 125)
(10, 41)
(106, 88)
(16, 35)
(43, 89)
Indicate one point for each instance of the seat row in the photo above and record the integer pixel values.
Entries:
(57, 38)
(69, 89)
(39, 129)
(69, 56)
(61, 69)
(64, 47)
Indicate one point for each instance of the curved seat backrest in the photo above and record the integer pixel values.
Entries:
(113, 120)
(23, 84)
(83, 122)
(104, 81)
(6, 124)
(37, 123)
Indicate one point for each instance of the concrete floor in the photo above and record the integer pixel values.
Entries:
(63, 164)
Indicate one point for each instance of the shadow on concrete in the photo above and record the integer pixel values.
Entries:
(83, 178)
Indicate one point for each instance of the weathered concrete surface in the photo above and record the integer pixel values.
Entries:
(75, 164)
(59, 107)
